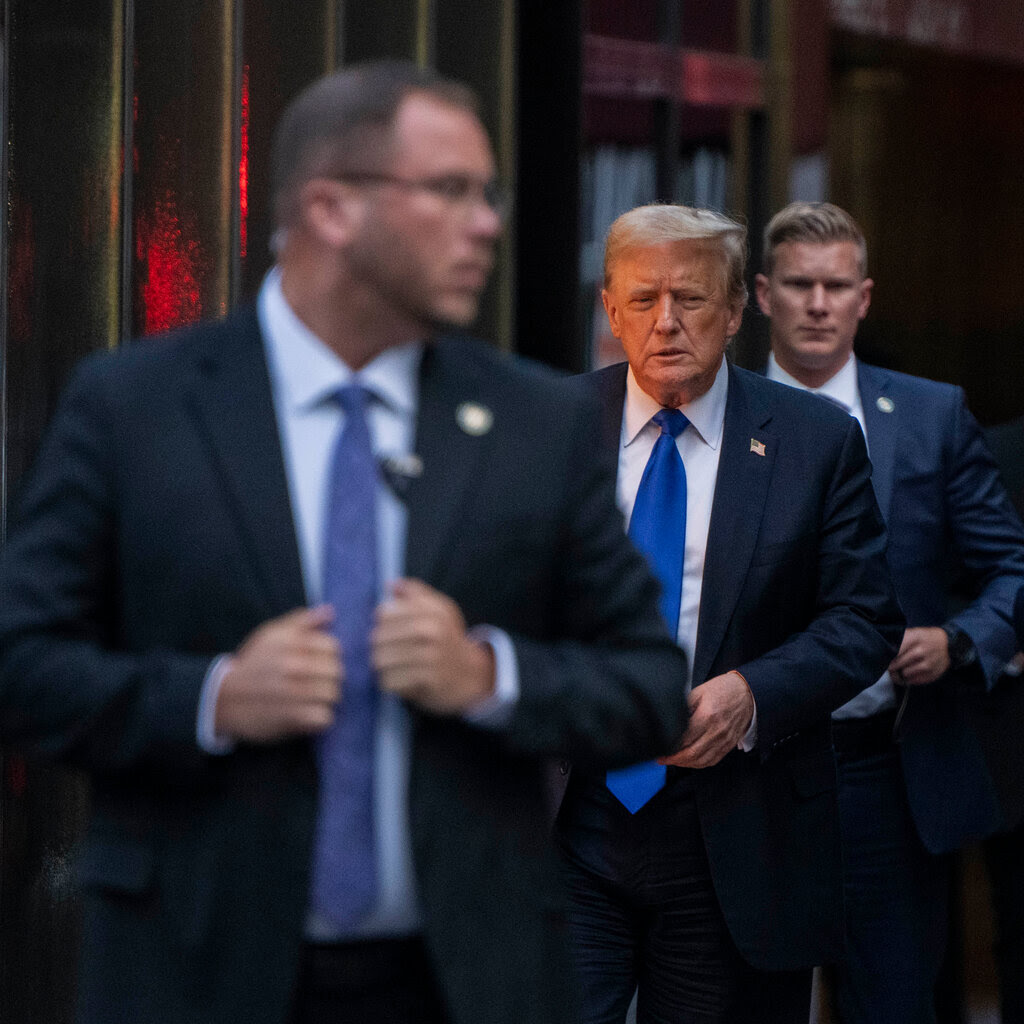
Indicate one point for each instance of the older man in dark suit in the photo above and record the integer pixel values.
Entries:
(313, 593)
(712, 880)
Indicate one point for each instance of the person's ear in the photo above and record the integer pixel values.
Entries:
(735, 319)
(865, 297)
(762, 288)
(332, 210)
(613, 311)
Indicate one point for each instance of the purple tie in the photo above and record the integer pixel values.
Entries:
(658, 528)
(344, 885)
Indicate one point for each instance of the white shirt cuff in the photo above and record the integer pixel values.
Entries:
(206, 735)
(749, 740)
(493, 711)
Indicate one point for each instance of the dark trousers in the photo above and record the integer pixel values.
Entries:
(644, 917)
(896, 891)
(1004, 855)
(383, 982)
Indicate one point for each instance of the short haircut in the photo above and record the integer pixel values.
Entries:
(817, 223)
(342, 124)
(659, 223)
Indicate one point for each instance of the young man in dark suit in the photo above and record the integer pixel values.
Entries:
(313, 593)
(713, 884)
(912, 784)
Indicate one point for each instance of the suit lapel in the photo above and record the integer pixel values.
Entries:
(453, 435)
(880, 418)
(740, 492)
(232, 402)
(610, 386)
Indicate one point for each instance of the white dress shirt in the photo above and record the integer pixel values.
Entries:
(842, 388)
(305, 377)
(700, 446)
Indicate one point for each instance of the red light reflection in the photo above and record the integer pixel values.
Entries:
(172, 261)
(243, 169)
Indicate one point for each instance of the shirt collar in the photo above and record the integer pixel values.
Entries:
(841, 387)
(706, 413)
(306, 371)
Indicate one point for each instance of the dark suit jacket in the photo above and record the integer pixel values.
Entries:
(796, 596)
(947, 513)
(156, 532)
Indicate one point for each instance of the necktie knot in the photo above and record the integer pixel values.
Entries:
(671, 421)
(353, 399)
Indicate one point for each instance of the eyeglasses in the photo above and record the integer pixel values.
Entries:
(455, 189)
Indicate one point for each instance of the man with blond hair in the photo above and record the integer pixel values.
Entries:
(710, 880)
(913, 784)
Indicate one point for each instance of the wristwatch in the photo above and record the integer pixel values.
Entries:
(962, 651)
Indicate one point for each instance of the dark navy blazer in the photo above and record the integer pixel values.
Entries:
(796, 596)
(948, 515)
(156, 532)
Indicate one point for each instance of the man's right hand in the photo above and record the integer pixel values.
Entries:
(285, 680)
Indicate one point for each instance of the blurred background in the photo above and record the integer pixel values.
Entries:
(135, 150)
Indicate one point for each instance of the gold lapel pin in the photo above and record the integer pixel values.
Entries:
(757, 447)
(885, 404)
(474, 419)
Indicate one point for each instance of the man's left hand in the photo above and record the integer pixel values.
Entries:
(421, 651)
(923, 656)
(721, 711)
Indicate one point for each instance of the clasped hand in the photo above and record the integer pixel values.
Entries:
(923, 656)
(721, 711)
(286, 679)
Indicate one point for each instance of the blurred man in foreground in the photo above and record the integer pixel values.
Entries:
(239, 594)
(711, 879)
(911, 784)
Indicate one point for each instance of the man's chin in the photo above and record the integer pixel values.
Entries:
(676, 389)
(455, 314)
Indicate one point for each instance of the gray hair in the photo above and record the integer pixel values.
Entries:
(663, 222)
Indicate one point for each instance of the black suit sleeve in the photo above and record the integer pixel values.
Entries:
(609, 685)
(67, 686)
(856, 624)
(985, 534)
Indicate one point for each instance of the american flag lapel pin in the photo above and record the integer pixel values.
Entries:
(757, 447)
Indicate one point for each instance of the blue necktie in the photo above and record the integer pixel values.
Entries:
(344, 884)
(658, 528)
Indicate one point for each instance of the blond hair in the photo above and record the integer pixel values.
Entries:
(817, 223)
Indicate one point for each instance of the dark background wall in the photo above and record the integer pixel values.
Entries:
(927, 151)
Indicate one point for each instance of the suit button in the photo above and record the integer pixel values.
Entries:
(563, 767)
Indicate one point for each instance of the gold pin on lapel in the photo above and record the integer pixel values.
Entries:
(885, 404)
(757, 447)
(474, 419)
